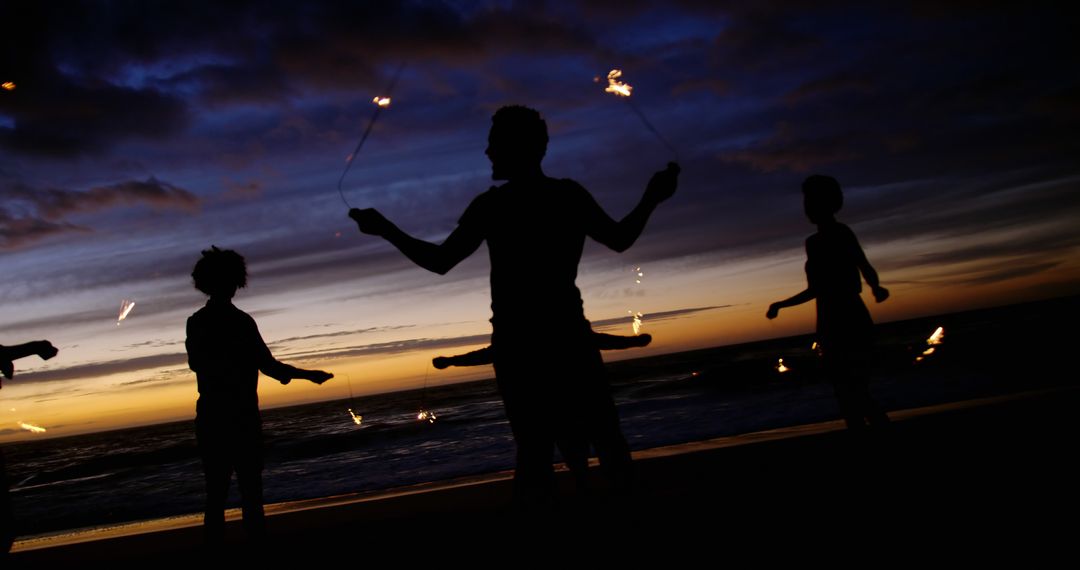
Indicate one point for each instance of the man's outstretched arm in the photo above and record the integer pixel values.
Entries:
(440, 258)
(620, 235)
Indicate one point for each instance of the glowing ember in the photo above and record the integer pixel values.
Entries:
(935, 340)
(780, 366)
(31, 428)
(125, 307)
(426, 416)
(355, 418)
(636, 325)
(640, 274)
(381, 101)
(615, 86)
(8, 86)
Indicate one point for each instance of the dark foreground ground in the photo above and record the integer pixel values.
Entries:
(984, 479)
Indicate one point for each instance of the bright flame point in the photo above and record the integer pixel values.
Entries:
(780, 366)
(355, 418)
(125, 307)
(615, 86)
(32, 428)
(381, 101)
(8, 86)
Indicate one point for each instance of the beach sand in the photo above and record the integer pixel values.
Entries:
(996, 469)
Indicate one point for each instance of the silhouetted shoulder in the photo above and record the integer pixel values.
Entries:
(476, 214)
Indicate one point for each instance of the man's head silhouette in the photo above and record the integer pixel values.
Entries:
(517, 142)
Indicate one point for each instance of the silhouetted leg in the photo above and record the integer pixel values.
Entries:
(849, 401)
(249, 479)
(217, 471)
(523, 398)
(574, 449)
(7, 523)
(602, 424)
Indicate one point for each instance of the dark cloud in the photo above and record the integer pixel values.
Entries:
(96, 369)
(392, 347)
(339, 334)
(17, 231)
(653, 317)
(995, 273)
(30, 214)
(788, 151)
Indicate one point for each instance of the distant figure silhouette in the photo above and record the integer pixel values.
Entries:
(226, 352)
(535, 229)
(8, 354)
(845, 331)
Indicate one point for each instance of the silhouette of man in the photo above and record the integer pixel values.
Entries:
(226, 352)
(535, 229)
(8, 354)
(845, 331)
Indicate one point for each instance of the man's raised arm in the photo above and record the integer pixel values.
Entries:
(441, 258)
(620, 235)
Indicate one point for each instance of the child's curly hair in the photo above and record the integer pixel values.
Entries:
(219, 270)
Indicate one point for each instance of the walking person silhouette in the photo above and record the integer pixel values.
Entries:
(226, 352)
(534, 221)
(834, 260)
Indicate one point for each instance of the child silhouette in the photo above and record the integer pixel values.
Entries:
(226, 352)
(845, 331)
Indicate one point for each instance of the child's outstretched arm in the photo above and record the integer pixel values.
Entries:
(43, 348)
(474, 358)
(618, 342)
(798, 299)
(284, 373)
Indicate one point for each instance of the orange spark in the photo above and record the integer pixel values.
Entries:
(8, 85)
(615, 86)
(780, 366)
(381, 101)
(355, 418)
(125, 307)
(32, 428)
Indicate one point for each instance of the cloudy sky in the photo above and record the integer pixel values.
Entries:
(139, 133)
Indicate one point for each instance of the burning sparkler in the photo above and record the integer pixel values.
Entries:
(355, 418)
(31, 427)
(380, 104)
(780, 366)
(935, 340)
(622, 90)
(636, 324)
(125, 307)
(8, 85)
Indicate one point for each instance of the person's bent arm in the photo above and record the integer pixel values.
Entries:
(439, 258)
(620, 235)
(797, 299)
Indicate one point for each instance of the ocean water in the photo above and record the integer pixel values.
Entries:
(315, 450)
